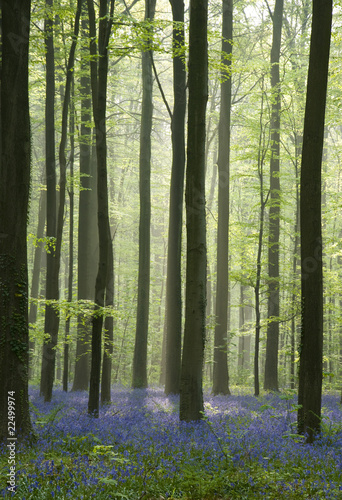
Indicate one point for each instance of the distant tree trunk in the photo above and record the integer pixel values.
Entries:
(244, 340)
(108, 335)
(173, 353)
(272, 339)
(87, 224)
(139, 378)
(71, 240)
(14, 199)
(36, 271)
(191, 393)
(220, 374)
(311, 347)
(293, 375)
(99, 75)
(52, 292)
(263, 201)
(49, 348)
(297, 46)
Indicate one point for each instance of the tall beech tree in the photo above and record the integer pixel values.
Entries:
(99, 76)
(49, 347)
(14, 198)
(272, 342)
(87, 219)
(139, 378)
(191, 392)
(220, 373)
(52, 293)
(311, 342)
(173, 353)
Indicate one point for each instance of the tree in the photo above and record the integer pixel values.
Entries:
(311, 343)
(87, 223)
(49, 347)
(191, 394)
(52, 291)
(34, 292)
(15, 162)
(139, 378)
(262, 149)
(173, 353)
(272, 342)
(99, 75)
(71, 237)
(220, 374)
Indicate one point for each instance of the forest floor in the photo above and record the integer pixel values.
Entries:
(245, 448)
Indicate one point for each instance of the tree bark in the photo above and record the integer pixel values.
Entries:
(272, 336)
(99, 74)
(108, 332)
(14, 199)
(52, 292)
(263, 201)
(71, 240)
(220, 374)
(191, 393)
(49, 348)
(87, 223)
(311, 347)
(34, 292)
(173, 353)
(139, 378)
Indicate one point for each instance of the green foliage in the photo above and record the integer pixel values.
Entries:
(42, 419)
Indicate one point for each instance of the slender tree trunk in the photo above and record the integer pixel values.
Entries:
(49, 348)
(87, 224)
(99, 74)
(71, 240)
(173, 352)
(311, 348)
(220, 375)
(263, 201)
(293, 375)
(108, 335)
(272, 339)
(139, 378)
(14, 199)
(244, 340)
(36, 272)
(191, 393)
(52, 292)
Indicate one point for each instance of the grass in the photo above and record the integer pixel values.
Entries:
(245, 448)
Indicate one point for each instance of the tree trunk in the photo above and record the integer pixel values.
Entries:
(108, 335)
(87, 224)
(174, 257)
(52, 292)
(14, 198)
(139, 378)
(99, 74)
(49, 348)
(71, 240)
(245, 317)
(311, 348)
(294, 298)
(272, 339)
(191, 393)
(36, 272)
(263, 201)
(220, 374)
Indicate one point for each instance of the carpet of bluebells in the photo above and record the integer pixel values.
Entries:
(244, 448)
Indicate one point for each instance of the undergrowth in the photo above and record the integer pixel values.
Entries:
(245, 448)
